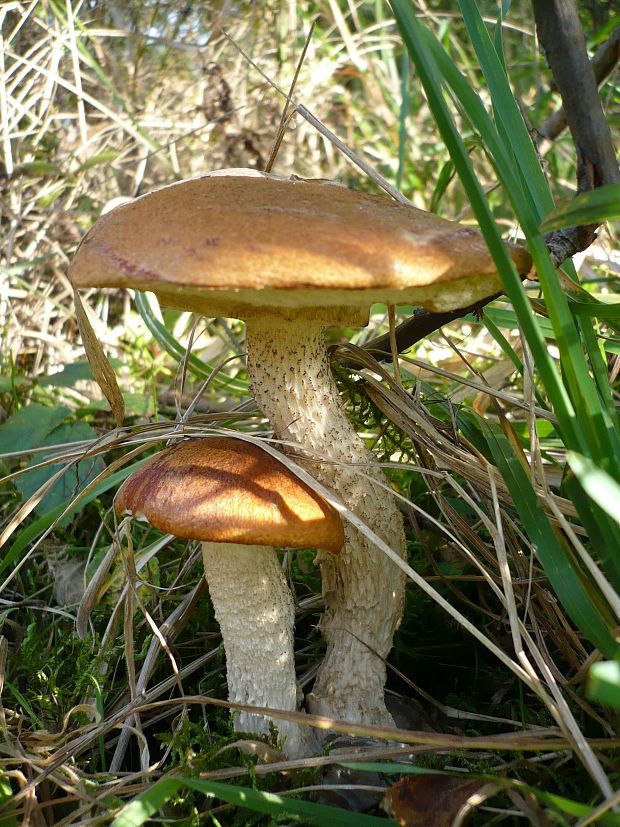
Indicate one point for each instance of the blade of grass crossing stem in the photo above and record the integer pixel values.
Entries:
(609, 313)
(585, 606)
(506, 317)
(145, 805)
(417, 39)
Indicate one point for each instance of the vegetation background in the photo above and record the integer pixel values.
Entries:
(499, 431)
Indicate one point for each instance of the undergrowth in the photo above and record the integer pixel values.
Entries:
(103, 101)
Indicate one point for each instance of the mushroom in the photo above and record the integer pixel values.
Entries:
(289, 257)
(240, 501)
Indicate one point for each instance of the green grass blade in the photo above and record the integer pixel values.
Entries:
(417, 39)
(506, 109)
(601, 377)
(574, 365)
(322, 815)
(604, 684)
(603, 489)
(402, 125)
(577, 410)
(148, 803)
(201, 370)
(603, 534)
(599, 310)
(586, 608)
(508, 350)
(601, 204)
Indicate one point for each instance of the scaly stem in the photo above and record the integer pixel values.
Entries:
(254, 608)
(363, 591)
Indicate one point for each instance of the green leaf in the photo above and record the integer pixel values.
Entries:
(29, 426)
(100, 158)
(70, 374)
(34, 529)
(602, 488)
(38, 426)
(8, 384)
(594, 207)
(36, 168)
(7, 819)
(73, 480)
(604, 683)
(148, 802)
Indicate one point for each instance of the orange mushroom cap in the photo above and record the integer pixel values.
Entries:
(228, 490)
(236, 242)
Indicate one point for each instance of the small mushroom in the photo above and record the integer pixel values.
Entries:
(290, 257)
(241, 501)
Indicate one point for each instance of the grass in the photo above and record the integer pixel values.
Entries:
(500, 435)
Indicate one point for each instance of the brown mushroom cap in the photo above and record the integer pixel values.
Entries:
(236, 242)
(228, 490)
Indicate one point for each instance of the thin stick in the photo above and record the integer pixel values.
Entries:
(316, 123)
(285, 116)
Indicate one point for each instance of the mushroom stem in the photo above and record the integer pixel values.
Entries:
(291, 380)
(254, 608)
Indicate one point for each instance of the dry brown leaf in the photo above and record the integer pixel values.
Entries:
(101, 368)
(429, 800)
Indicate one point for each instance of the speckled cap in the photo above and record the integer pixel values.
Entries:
(228, 490)
(239, 243)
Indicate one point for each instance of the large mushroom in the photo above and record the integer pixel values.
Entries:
(289, 257)
(241, 502)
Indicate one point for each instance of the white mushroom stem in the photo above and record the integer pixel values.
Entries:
(291, 380)
(255, 611)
